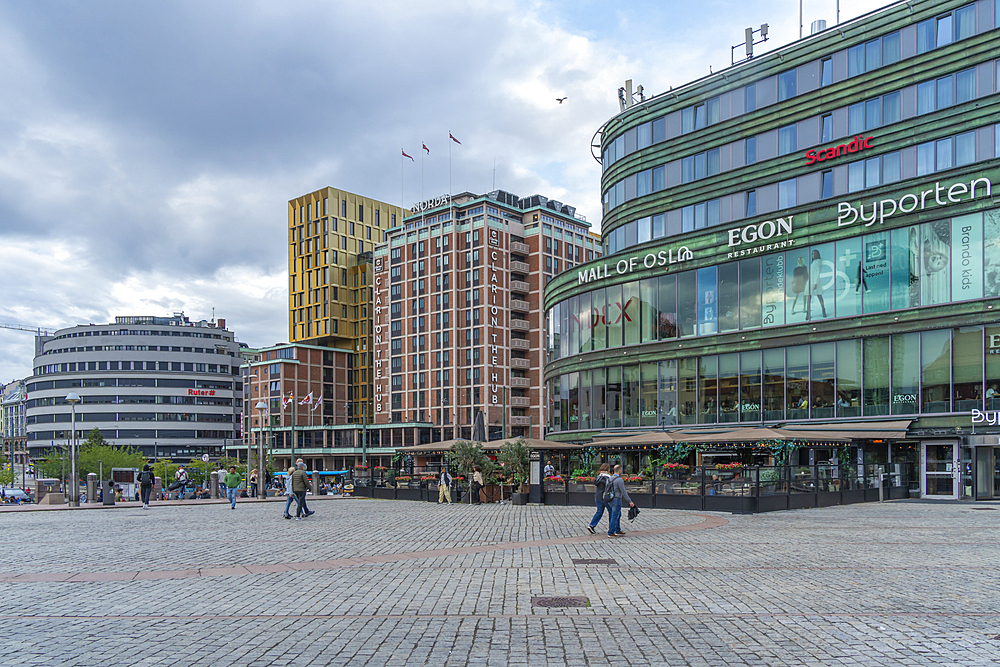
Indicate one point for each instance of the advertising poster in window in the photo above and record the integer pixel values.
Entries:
(774, 289)
(967, 257)
(991, 268)
(707, 298)
(904, 254)
(874, 272)
(935, 262)
(797, 287)
(849, 277)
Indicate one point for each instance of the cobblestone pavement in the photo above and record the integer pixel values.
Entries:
(368, 582)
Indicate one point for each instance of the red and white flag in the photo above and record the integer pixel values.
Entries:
(319, 402)
(307, 400)
(452, 137)
(424, 146)
(288, 400)
(409, 156)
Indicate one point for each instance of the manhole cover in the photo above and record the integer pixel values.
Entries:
(559, 602)
(984, 508)
(594, 561)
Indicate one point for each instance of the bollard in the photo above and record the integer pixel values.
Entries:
(216, 483)
(315, 483)
(91, 488)
(109, 493)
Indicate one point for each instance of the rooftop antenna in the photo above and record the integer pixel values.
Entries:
(762, 31)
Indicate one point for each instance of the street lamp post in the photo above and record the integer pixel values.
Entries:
(74, 488)
(261, 471)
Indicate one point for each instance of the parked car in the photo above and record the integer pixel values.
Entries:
(16, 496)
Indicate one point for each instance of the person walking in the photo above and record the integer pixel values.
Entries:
(300, 483)
(477, 485)
(233, 480)
(618, 494)
(300, 464)
(444, 486)
(602, 482)
(253, 483)
(289, 494)
(181, 476)
(146, 480)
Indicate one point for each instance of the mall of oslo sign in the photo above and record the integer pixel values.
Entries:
(627, 265)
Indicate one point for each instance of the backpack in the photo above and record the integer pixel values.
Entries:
(609, 493)
(146, 478)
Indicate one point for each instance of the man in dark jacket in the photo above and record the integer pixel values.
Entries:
(300, 483)
(619, 494)
(145, 485)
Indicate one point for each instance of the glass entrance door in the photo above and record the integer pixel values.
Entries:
(939, 467)
(984, 472)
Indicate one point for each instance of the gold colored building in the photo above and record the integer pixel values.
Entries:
(331, 235)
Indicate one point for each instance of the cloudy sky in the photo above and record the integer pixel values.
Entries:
(148, 149)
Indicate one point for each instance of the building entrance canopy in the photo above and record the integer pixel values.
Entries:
(804, 433)
(492, 445)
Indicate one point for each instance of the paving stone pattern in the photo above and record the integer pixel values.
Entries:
(369, 582)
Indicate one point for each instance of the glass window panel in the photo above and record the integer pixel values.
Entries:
(797, 378)
(700, 216)
(856, 60)
(992, 381)
(787, 139)
(712, 212)
(751, 150)
(856, 176)
(613, 397)
(586, 322)
(890, 48)
(750, 386)
(573, 403)
(827, 184)
(647, 396)
(891, 167)
(631, 232)
(905, 267)
(667, 309)
(599, 398)
(822, 381)
(612, 315)
(965, 148)
(645, 230)
(660, 130)
(645, 135)
(892, 108)
(598, 319)
(714, 161)
(965, 85)
(659, 226)
(873, 276)
(798, 288)
(729, 296)
(586, 393)
(827, 128)
(876, 376)
(965, 22)
(787, 193)
(630, 395)
(945, 30)
(699, 165)
(935, 258)
(774, 385)
(926, 97)
(564, 329)
(935, 371)
(826, 72)
(713, 108)
(905, 373)
(659, 178)
(966, 257)
(687, 313)
(925, 159)
(873, 168)
(873, 55)
(991, 253)
(687, 389)
(822, 279)
(925, 36)
(644, 182)
(687, 219)
(667, 393)
(774, 288)
(699, 117)
(574, 325)
(786, 85)
(945, 91)
(750, 293)
(707, 390)
(554, 413)
(687, 169)
(564, 402)
(751, 203)
(648, 314)
(707, 301)
(849, 277)
(848, 378)
(873, 113)
(750, 98)
(856, 118)
(729, 387)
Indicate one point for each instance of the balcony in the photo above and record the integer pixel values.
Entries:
(520, 325)
(520, 267)
(520, 421)
(520, 382)
(519, 286)
(520, 401)
(520, 344)
(517, 246)
(520, 363)
(520, 306)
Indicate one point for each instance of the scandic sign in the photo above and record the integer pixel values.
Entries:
(858, 143)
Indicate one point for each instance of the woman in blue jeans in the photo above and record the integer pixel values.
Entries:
(602, 482)
(289, 496)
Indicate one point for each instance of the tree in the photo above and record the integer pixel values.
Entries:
(514, 456)
(464, 457)
(6, 472)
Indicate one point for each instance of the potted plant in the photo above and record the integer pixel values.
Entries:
(402, 479)
(514, 456)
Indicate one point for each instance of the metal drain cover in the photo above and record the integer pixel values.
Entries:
(594, 561)
(559, 602)
(983, 508)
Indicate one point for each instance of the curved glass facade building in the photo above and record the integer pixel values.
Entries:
(809, 238)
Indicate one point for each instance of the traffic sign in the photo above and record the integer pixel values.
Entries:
(204, 457)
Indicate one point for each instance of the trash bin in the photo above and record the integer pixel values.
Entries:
(109, 493)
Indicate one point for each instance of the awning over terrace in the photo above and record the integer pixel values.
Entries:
(492, 445)
(841, 433)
